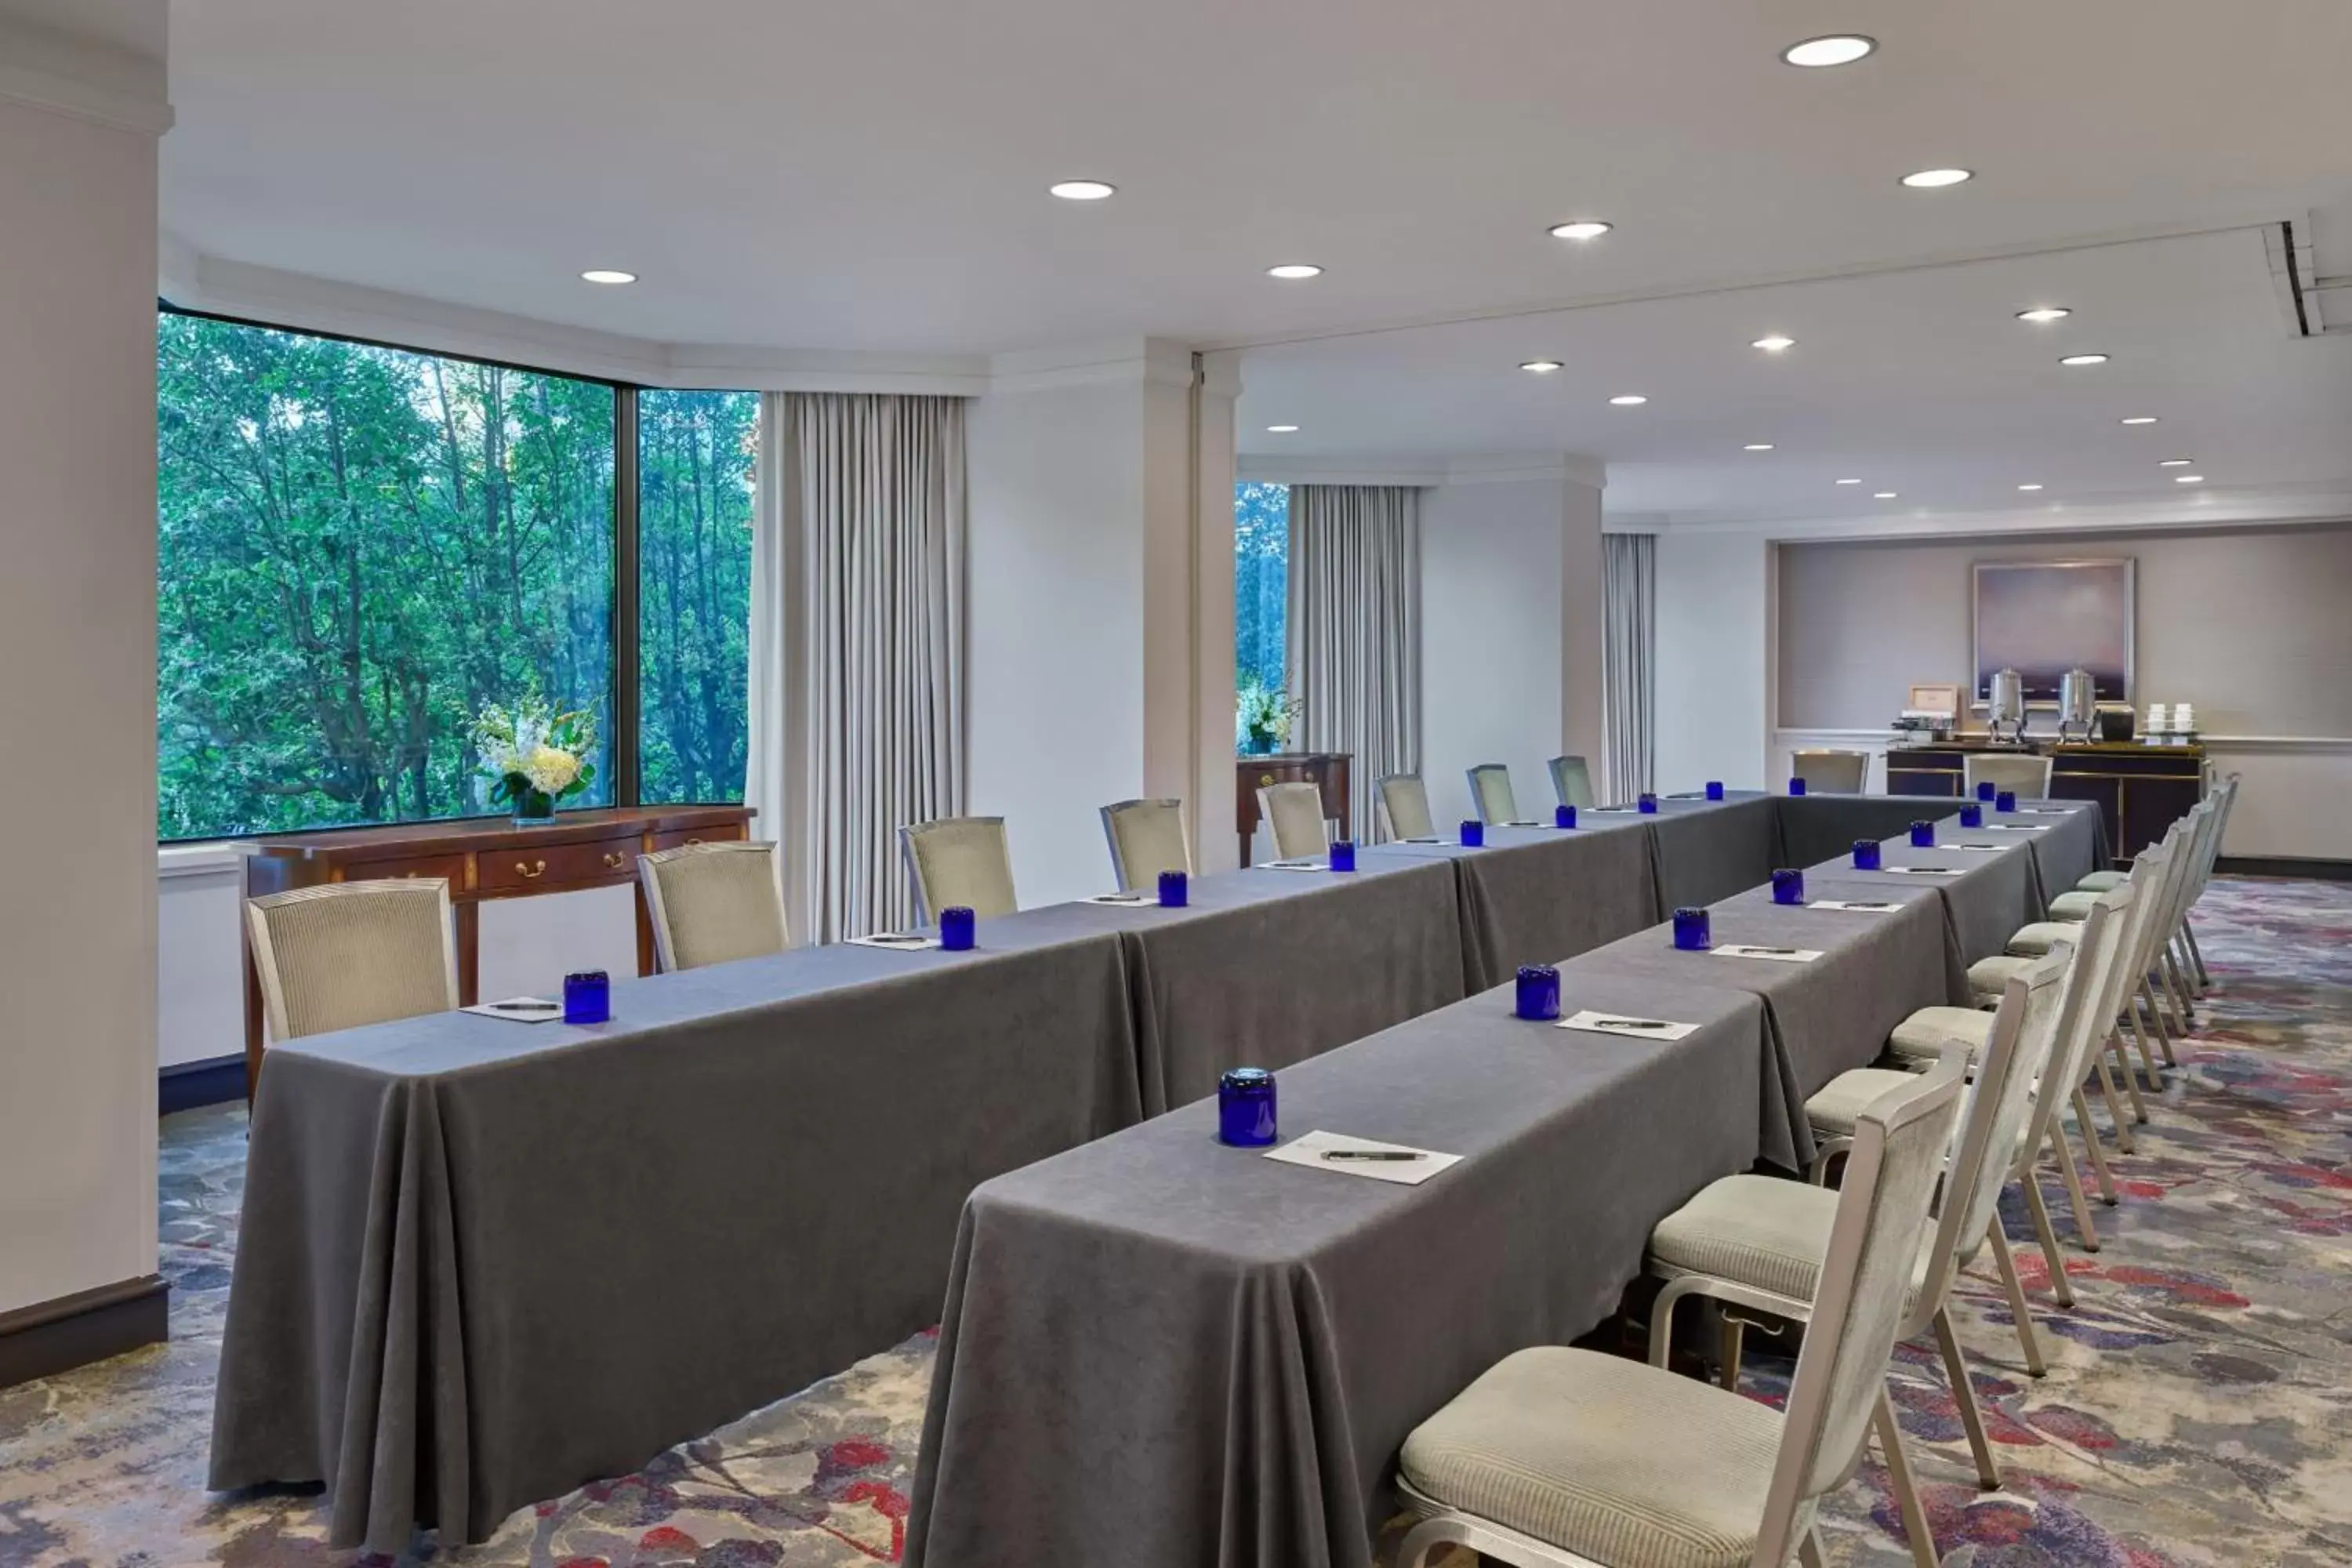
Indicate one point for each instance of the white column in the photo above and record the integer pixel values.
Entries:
(1584, 615)
(78, 269)
(1715, 665)
(1216, 846)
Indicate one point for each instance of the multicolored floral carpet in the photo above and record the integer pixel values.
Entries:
(2197, 1409)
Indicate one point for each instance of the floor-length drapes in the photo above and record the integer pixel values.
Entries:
(856, 645)
(1354, 658)
(1629, 660)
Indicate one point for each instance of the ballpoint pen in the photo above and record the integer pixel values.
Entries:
(1368, 1154)
(526, 1007)
(1631, 1024)
(1743, 948)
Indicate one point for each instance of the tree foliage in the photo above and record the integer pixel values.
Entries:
(697, 456)
(1261, 583)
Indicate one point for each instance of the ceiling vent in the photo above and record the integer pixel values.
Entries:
(2314, 304)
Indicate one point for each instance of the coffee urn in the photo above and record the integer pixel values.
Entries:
(2078, 705)
(2006, 717)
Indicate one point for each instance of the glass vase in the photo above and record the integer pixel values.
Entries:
(533, 808)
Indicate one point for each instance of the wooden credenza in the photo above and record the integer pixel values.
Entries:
(2141, 789)
(481, 858)
(1327, 771)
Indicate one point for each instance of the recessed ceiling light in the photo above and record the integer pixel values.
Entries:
(1629, 400)
(1937, 179)
(1774, 343)
(1583, 229)
(607, 275)
(2187, 479)
(2029, 487)
(2175, 462)
(1756, 446)
(1280, 429)
(1082, 190)
(1540, 366)
(2141, 419)
(2084, 359)
(2044, 313)
(1837, 49)
(1292, 270)
(1883, 495)
(1849, 481)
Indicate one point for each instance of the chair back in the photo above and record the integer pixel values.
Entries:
(1490, 792)
(1831, 772)
(2151, 876)
(1147, 837)
(1405, 802)
(1571, 781)
(2080, 1029)
(2020, 772)
(959, 862)
(1295, 813)
(346, 953)
(1899, 1142)
(713, 903)
(2189, 880)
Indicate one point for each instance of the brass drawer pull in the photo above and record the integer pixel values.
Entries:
(1264, 779)
(536, 867)
(615, 859)
(694, 841)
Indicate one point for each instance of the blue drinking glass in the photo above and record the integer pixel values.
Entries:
(1715, 789)
(587, 997)
(1985, 789)
(1923, 835)
(1343, 855)
(1648, 804)
(1174, 891)
(1866, 854)
(956, 928)
(1973, 816)
(1245, 1108)
(2005, 801)
(1693, 931)
(1474, 834)
(1796, 786)
(1563, 816)
(1788, 886)
(1539, 993)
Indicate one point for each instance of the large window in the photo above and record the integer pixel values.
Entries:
(1261, 583)
(697, 454)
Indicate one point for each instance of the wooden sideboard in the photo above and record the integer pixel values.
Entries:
(1327, 771)
(481, 858)
(2141, 789)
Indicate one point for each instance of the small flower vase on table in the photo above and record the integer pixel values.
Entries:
(535, 759)
(532, 807)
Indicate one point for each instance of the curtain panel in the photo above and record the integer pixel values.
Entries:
(1629, 660)
(856, 645)
(1353, 662)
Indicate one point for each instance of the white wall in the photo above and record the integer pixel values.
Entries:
(77, 265)
(1713, 661)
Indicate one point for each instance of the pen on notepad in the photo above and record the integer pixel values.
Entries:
(526, 1007)
(1368, 1154)
(1750, 947)
(1631, 1024)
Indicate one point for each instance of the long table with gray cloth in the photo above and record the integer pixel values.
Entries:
(1207, 1357)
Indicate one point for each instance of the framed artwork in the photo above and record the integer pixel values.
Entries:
(2043, 619)
(1940, 699)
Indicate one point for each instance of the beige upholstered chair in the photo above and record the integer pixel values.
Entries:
(1831, 772)
(1405, 800)
(1571, 781)
(2155, 876)
(2022, 774)
(1568, 1458)
(346, 953)
(1490, 792)
(959, 862)
(1295, 813)
(1147, 837)
(2190, 959)
(713, 903)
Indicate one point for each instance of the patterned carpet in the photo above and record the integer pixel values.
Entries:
(2197, 1409)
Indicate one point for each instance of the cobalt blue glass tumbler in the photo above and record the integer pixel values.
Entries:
(1923, 835)
(956, 928)
(1985, 789)
(1973, 816)
(587, 997)
(2005, 801)
(1866, 854)
(1788, 886)
(1693, 931)
(1343, 855)
(1474, 834)
(1245, 1109)
(1563, 816)
(1174, 890)
(1796, 786)
(1649, 804)
(1539, 996)
(1715, 789)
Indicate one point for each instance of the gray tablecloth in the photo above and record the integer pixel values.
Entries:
(1993, 894)
(1706, 850)
(482, 1262)
(2074, 846)
(1819, 827)
(1162, 1352)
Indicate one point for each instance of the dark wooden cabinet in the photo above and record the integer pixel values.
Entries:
(1327, 771)
(481, 858)
(2141, 789)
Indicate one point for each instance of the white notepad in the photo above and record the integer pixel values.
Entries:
(2043, 811)
(1854, 906)
(1431, 839)
(520, 1010)
(1777, 955)
(1996, 849)
(1626, 1026)
(894, 942)
(1921, 871)
(1128, 899)
(2012, 827)
(1529, 822)
(1310, 1152)
(1293, 865)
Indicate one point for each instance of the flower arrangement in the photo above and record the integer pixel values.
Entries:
(1265, 717)
(534, 757)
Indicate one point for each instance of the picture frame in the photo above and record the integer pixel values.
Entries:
(2043, 619)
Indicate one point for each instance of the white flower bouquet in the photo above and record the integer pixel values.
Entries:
(534, 757)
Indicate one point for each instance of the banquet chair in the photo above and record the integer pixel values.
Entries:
(1571, 781)
(713, 903)
(1490, 792)
(1147, 837)
(959, 862)
(2022, 774)
(345, 953)
(1404, 801)
(2183, 941)
(1556, 1457)
(1831, 772)
(1295, 813)
(2170, 1013)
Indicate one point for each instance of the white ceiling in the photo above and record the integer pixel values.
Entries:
(870, 177)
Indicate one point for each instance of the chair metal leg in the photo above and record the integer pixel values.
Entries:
(2131, 1084)
(1808, 1549)
(2159, 1021)
(2085, 1231)
(1907, 1491)
(2097, 1150)
(2197, 955)
(2009, 1282)
(2115, 1106)
(2183, 998)
(2059, 1287)
(1964, 1399)
(1734, 1336)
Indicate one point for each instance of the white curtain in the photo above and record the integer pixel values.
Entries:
(1629, 660)
(1353, 659)
(856, 645)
